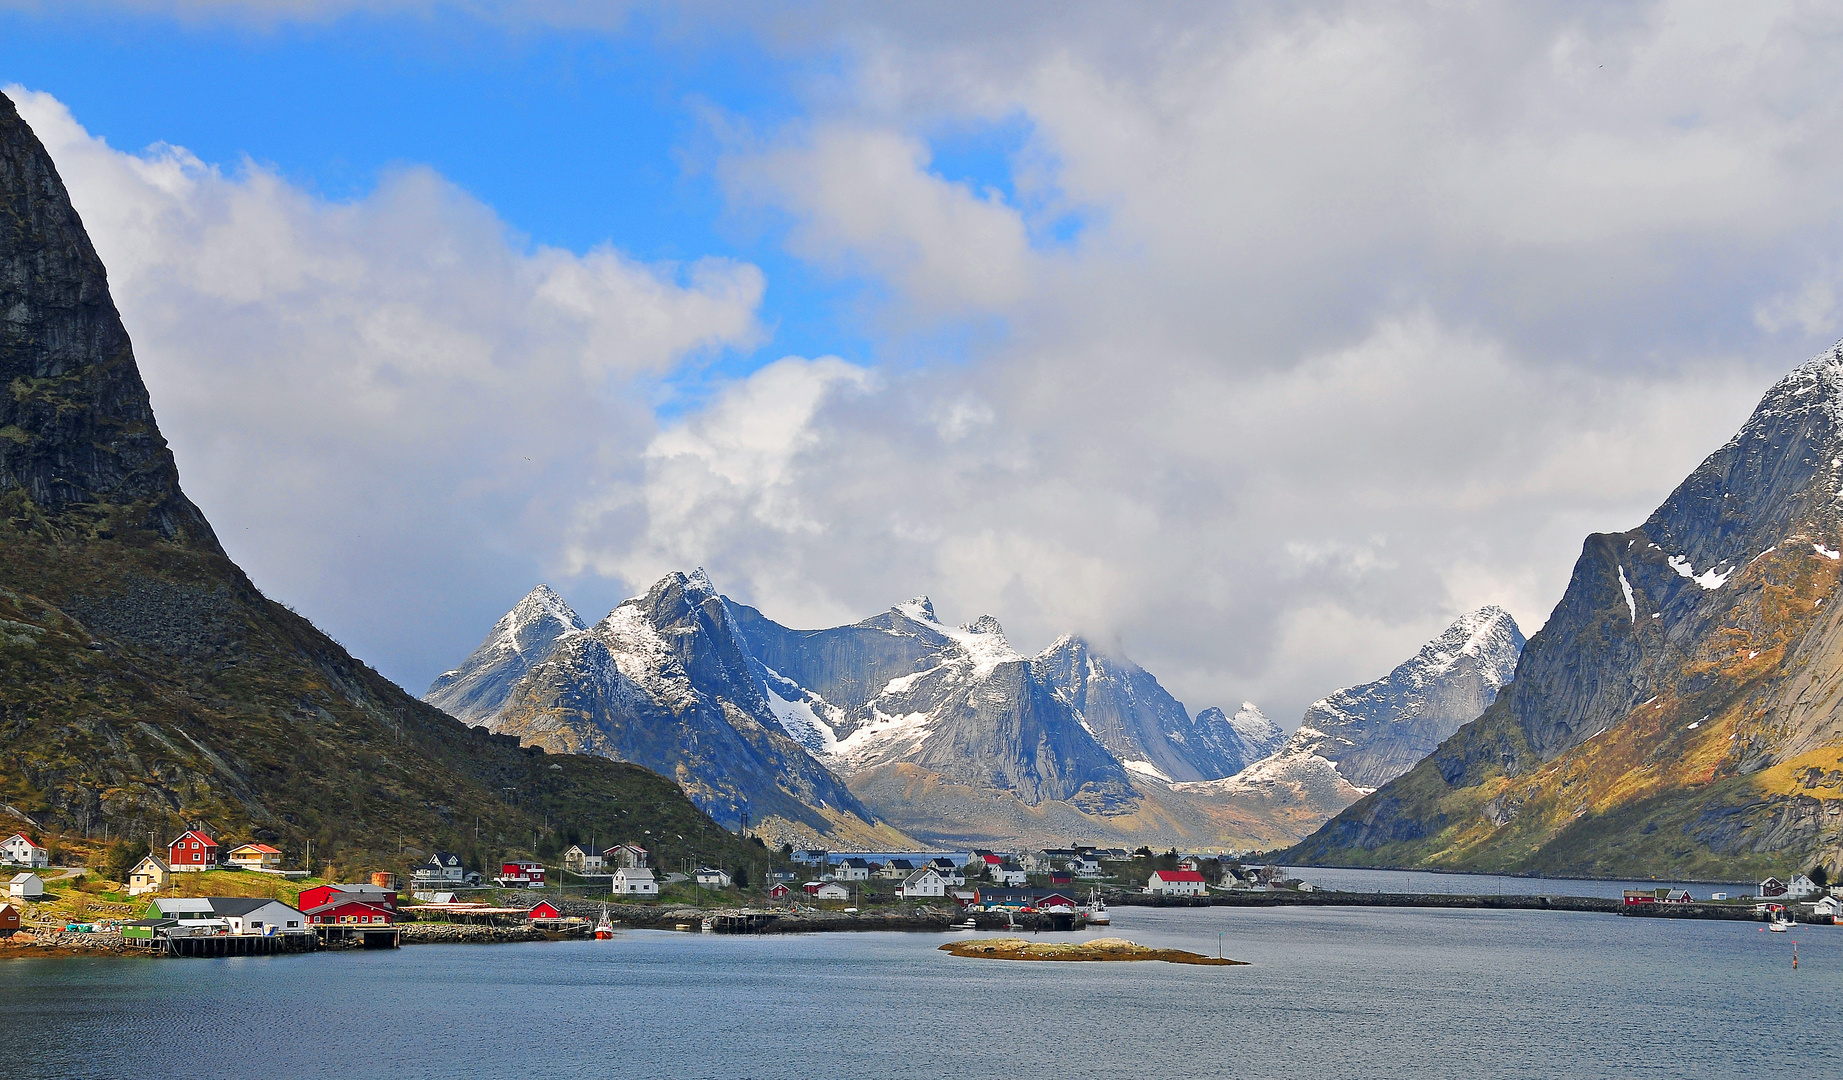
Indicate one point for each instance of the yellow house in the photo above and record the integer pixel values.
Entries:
(256, 857)
(149, 875)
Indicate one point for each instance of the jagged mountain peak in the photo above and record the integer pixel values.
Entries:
(538, 605)
(920, 608)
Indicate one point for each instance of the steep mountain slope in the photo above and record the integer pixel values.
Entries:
(1375, 732)
(1679, 712)
(1146, 728)
(522, 639)
(1369, 734)
(665, 682)
(144, 681)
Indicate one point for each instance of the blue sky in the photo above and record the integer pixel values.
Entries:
(1257, 342)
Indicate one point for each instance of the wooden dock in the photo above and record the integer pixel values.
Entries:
(213, 945)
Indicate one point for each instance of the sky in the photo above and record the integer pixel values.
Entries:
(1255, 342)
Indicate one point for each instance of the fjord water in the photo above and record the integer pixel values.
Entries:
(1331, 992)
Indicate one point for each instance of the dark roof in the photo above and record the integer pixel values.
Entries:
(238, 905)
(445, 858)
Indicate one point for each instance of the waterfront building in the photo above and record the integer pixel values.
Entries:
(1176, 883)
(544, 909)
(229, 914)
(779, 891)
(326, 894)
(21, 850)
(9, 920)
(350, 909)
(26, 886)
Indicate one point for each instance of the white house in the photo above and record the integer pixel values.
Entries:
(443, 867)
(1010, 875)
(852, 870)
(1801, 886)
(636, 881)
(21, 850)
(1176, 883)
(924, 882)
(581, 860)
(26, 886)
(829, 890)
(712, 878)
(149, 875)
(1829, 905)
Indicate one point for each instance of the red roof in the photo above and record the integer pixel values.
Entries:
(264, 848)
(545, 910)
(1177, 875)
(196, 835)
(21, 836)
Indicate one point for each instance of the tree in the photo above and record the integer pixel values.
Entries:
(123, 856)
(741, 877)
(1819, 876)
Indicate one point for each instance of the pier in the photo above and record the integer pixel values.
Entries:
(211, 945)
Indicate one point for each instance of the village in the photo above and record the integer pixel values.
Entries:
(203, 897)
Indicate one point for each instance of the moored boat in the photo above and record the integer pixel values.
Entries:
(604, 930)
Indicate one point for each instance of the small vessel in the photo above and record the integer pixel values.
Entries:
(604, 930)
(1096, 911)
(709, 926)
(1780, 925)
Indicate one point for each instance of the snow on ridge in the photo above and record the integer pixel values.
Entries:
(1144, 768)
(536, 605)
(797, 716)
(921, 609)
(1626, 587)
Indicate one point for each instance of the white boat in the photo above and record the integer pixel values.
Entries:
(1096, 911)
(1780, 926)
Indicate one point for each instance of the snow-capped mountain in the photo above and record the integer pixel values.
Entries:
(1375, 732)
(663, 682)
(959, 702)
(519, 641)
(1678, 713)
(1147, 729)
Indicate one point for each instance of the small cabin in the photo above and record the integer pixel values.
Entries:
(544, 909)
(779, 891)
(9, 920)
(26, 886)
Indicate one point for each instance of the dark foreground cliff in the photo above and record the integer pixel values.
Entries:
(146, 682)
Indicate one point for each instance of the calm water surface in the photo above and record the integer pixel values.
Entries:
(1333, 992)
(1421, 881)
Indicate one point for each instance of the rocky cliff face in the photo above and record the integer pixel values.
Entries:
(1679, 713)
(145, 682)
(665, 682)
(78, 442)
(1375, 732)
(519, 641)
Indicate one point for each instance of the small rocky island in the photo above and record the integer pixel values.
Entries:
(1098, 949)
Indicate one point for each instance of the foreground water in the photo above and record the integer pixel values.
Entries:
(1332, 992)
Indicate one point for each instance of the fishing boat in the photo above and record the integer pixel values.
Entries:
(1096, 911)
(604, 930)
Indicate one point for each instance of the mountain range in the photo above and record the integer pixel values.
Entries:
(944, 734)
(1681, 712)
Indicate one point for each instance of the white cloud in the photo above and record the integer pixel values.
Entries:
(387, 407)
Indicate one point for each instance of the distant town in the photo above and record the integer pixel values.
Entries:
(204, 897)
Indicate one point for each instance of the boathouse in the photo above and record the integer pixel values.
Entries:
(321, 895)
(779, 891)
(9, 920)
(544, 909)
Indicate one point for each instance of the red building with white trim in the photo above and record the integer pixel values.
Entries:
(344, 910)
(194, 850)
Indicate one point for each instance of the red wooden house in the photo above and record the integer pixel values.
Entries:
(780, 891)
(545, 910)
(192, 851)
(347, 910)
(519, 872)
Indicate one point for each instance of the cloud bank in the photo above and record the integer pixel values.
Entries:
(1300, 330)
